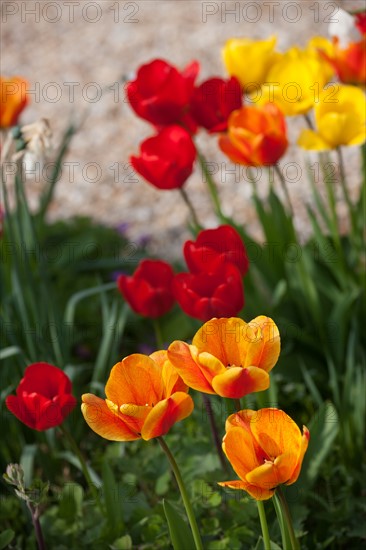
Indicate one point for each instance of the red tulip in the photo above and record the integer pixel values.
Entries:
(166, 160)
(161, 94)
(214, 247)
(43, 397)
(207, 295)
(360, 22)
(149, 291)
(213, 101)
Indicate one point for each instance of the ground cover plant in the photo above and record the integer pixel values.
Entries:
(215, 403)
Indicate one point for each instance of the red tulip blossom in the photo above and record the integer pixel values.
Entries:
(214, 247)
(166, 160)
(161, 94)
(43, 397)
(214, 100)
(206, 295)
(149, 291)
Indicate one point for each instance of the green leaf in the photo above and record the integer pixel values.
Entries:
(123, 543)
(324, 427)
(27, 462)
(110, 497)
(6, 537)
(180, 534)
(71, 502)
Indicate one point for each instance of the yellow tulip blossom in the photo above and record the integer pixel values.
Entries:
(340, 118)
(249, 60)
(295, 81)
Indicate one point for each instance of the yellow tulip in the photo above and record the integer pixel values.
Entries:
(249, 60)
(340, 117)
(295, 81)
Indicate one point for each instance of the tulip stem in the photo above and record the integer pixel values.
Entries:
(211, 187)
(308, 121)
(158, 334)
(214, 431)
(184, 494)
(284, 187)
(287, 519)
(192, 211)
(37, 527)
(83, 466)
(264, 525)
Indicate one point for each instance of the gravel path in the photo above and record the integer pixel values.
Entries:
(71, 52)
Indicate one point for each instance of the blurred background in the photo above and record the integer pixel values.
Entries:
(77, 55)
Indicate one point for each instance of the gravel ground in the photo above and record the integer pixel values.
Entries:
(72, 52)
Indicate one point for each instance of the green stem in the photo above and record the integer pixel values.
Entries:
(347, 198)
(197, 225)
(184, 494)
(237, 405)
(287, 519)
(83, 465)
(308, 121)
(264, 525)
(284, 187)
(211, 187)
(286, 543)
(158, 334)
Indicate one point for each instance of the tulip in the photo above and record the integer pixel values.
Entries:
(266, 449)
(166, 160)
(256, 136)
(360, 22)
(206, 295)
(149, 291)
(43, 397)
(213, 101)
(294, 80)
(145, 397)
(349, 62)
(340, 118)
(214, 247)
(249, 60)
(228, 357)
(13, 99)
(161, 94)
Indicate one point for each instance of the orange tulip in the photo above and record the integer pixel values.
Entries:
(349, 62)
(265, 448)
(145, 397)
(228, 357)
(256, 135)
(13, 99)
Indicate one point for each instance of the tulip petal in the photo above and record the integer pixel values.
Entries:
(17, 407)
(264, 345)
(257, 493)
(210, 366)
(271, 474)
(184, 359)
(136, 379)
(172, 380)
(103, 421)
(222, 338)
(166, 413)
(276, 432)
(312, 141)
(242, 451)
(304, 445)
(236, 382)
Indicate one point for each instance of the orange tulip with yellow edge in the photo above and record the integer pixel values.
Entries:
(265, 448)
(294, 81)
(249, 60)
(13, 99)
(349, 62)
(145, 397)
(228, 357)
(340, 117)
(256, 136)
